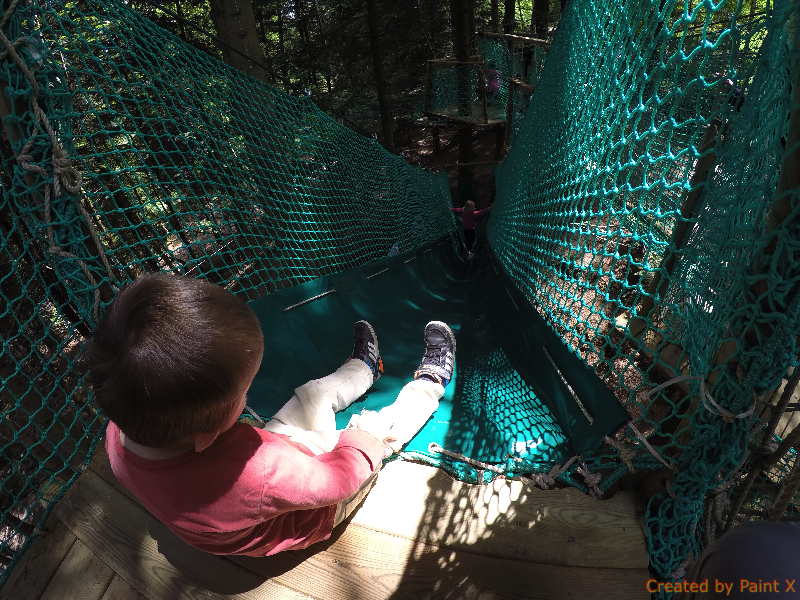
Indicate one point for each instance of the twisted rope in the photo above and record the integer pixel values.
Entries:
(546, 480)
(626, 454)
(63, 170)
(541, 480)
(435, 448)
(592, 481)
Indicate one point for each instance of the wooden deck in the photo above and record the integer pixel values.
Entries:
(419, 535)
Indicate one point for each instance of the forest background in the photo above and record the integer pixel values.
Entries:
(327, 48)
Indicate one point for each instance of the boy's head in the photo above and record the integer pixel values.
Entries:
(172, 357)
(469, 205)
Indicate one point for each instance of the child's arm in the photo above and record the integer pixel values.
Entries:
(296, 481)
(456, 209)
(482, 211)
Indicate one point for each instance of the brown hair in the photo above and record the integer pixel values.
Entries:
(469, 205)
(170, 357)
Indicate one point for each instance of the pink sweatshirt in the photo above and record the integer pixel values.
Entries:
(468, 216)
(251, 492)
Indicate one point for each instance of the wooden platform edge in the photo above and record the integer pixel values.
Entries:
(353, 563)
(33, 573)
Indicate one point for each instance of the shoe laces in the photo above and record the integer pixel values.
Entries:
(435, 351)
(361, 347)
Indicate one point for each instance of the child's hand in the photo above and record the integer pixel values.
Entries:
(377, 425)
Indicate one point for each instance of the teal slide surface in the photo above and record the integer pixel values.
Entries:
(508, 403)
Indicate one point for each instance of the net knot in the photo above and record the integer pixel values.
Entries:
(592, 481)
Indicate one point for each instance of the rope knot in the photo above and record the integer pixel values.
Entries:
(592, 481)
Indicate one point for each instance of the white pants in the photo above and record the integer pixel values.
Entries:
(309, 417)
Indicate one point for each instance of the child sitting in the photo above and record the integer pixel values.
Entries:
(170, 364)
(468, 214)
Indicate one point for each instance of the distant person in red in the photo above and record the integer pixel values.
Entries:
(493, 78)
(468, 214)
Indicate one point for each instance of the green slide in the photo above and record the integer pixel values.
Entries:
(509, 402)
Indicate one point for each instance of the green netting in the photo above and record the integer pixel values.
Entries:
(497, 66)
(633, 210)
(187, 166)
(531, 61)
(455, 91)
(636, 212)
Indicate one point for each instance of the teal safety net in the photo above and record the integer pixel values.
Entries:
(642, 212)
(497, 65)
(144, 154)
(464, 92)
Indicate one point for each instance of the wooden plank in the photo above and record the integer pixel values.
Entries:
(523, 84)
(148, 555)
(516, 38)
(477, 163)
(507, 519)
(477, 124)
(122, 590)
(361, 563)
(452, 60)
(81, 576)
(38, 565)
(368, 556)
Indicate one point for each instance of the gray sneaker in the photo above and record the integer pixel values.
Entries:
(440, 353)
(365, 347)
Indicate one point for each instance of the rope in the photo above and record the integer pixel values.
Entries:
(63, 171)
(546, 480)
(541, 480)
(626, 454)
(255, 415)
(652, 450)
(592, 481)
(435, 448)
(705, 396)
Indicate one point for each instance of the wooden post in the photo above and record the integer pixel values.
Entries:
(500, 142)
(482, 87)
(428, 85)
(509, 105)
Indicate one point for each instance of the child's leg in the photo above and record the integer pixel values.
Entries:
(469, 239)
(315, 404)
(419, 399)
(415, 404)
(310, 416)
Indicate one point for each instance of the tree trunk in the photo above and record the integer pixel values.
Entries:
(236, 24)
(380, 77)
(563, 5)
(508, 15)
(494, 16)
(281, 25)
(473, 45)
(460, 19)
(539, 18)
